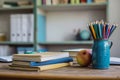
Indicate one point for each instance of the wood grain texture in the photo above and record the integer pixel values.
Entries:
(74, 72)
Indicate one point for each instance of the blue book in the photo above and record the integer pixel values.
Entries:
(20, 50)
(54, 61)
(89, 1)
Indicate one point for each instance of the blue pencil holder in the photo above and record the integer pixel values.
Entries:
(101, 54)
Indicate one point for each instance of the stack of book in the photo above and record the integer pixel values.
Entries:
(41, 61)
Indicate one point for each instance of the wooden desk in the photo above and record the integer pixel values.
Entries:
(74, 72)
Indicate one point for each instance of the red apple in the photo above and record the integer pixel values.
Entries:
(84, 58)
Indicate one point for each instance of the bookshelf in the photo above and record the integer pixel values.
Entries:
(53, 22)
(8, 47)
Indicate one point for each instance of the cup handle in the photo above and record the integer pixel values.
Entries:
(111, 43)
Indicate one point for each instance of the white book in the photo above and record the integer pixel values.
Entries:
(31, 28)
(13, 25)
(39, 57)
(19, 28)
(48, 2)
(24, 27)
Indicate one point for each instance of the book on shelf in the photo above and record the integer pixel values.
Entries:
(25, 26)
(30, 28)
(21, 27)
(54, 61)
(55, 2)
(83, 1)
(12, 27)
(5, 50)
(38, 57)
(77, 1)
(24, 3)
(72, 2)
(11, 3)
(89, 1)
(16, 3)
(39, 2)
(48, 2)
(63, 1)
(100, 1)
(18, 28)
(25, 50)
(40, 68)
(44, 2)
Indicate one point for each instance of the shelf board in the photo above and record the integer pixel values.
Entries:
(16, 43)
(67, 7)
(68, 43)
(17, 8)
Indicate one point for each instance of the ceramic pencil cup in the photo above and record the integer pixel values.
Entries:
(101, 54)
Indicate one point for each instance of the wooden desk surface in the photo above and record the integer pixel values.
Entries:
(74, 72)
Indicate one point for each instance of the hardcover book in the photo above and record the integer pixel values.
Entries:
(39, 57)
(54, 61)
(40, 68)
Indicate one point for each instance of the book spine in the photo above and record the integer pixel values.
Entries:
(55, 2)
(89, 1)
(77, 1)
(24, 27)
(13, 27)
(44, 2)
(39, 2)
(83, 1)
(18, 28)
(48, 2)
(30, 30)
(72, 2)
(20, 50)
(99, 1)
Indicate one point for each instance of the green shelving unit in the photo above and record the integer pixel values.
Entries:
(16, 43)
(49, 17)
(68, 43)
(91, 6)
(48, 13)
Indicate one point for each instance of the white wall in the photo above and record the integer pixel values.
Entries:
(61, 24)
(114, 18)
